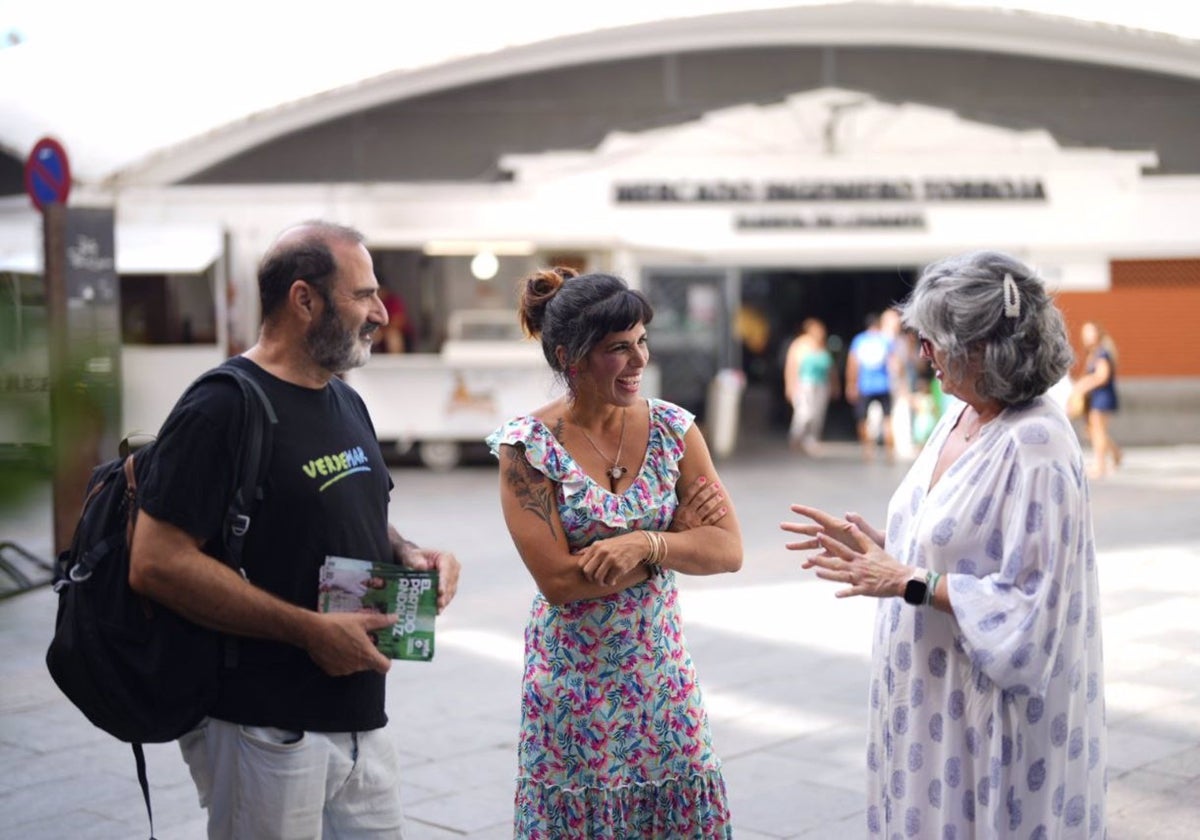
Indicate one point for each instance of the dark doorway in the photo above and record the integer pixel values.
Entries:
(840, 298)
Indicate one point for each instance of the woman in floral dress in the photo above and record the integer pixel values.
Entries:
(614, 741)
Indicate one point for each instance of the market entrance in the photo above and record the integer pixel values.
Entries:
(773, 304)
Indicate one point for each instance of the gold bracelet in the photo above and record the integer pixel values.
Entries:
(649, 558)
(650, 561)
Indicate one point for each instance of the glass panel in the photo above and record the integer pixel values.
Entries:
(24, 361)
(168, 308)
(690, 334)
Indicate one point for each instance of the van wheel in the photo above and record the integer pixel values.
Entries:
(440, 455)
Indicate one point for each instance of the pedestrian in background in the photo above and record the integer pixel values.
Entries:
(869, 381)
(614, 739)
(295, 745)
(1098, 389)
(986, 708)
(810, 380)
(902, 378)
(397, 335)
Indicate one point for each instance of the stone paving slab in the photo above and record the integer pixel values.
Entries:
(783, 664)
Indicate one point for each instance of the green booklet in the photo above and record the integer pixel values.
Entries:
(349, 585)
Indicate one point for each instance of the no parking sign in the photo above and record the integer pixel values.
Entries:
(83, 313)
(47, 173)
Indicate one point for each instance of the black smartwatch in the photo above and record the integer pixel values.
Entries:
(917, 588)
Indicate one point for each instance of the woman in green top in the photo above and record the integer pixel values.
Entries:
(809, 381)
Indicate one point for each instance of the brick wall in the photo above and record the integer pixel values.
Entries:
(1152, 313)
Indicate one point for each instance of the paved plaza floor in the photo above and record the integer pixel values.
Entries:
(784, 667)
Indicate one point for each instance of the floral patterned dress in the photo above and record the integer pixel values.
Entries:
(614, 739)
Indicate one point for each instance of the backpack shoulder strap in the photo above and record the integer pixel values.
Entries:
(139, 760)
(253, 461)
(253, 458)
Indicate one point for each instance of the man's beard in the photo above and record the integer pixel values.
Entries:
(335, 348)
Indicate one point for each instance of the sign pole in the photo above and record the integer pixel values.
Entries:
(69, 478)
(83, 314)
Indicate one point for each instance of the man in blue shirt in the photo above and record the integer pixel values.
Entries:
(868, 380)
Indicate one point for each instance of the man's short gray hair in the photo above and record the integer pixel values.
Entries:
(959, 305)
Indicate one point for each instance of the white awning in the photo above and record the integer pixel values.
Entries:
(141, 249)
(20, 238)
(171, 249)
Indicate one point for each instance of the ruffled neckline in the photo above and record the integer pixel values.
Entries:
(636, 504)
(577, 472)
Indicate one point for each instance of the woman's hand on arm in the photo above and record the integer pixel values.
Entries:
(529, 501)
(610, 560)
(701, 502)
(705, 537)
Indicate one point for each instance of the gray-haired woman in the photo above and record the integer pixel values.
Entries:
(987, 704)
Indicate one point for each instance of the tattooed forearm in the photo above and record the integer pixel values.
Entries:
(532, 489)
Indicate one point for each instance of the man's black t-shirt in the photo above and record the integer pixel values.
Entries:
(326, 492)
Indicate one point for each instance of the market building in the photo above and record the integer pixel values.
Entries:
(746, 170)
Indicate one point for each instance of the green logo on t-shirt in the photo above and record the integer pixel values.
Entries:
(338, 465)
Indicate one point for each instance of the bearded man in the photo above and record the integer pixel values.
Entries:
(295, 745)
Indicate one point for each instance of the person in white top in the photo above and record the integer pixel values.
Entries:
(986, 708)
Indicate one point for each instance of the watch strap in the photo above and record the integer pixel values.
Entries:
(931, 581)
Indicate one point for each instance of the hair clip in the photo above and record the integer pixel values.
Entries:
(1012, 298)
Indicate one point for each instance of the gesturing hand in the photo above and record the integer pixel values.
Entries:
(824, 523)
(850, 551)
(855, 559)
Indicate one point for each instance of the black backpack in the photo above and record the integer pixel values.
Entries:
(136, 669)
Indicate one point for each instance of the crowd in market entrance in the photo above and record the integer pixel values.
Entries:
(897, 399)
(886, 379)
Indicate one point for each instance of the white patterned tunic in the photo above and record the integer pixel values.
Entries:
(990, 722)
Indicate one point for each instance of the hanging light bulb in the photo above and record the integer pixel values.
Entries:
(484, 265)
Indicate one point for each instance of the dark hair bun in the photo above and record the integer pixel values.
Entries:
(537, 290)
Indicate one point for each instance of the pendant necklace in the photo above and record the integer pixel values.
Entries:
(968, 435)
(616, 471)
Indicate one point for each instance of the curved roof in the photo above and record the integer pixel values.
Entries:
(157, 157)
(855, 23)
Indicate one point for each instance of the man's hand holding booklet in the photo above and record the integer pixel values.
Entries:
(349, 585)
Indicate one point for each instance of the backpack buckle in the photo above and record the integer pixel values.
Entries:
(78, 574)
(240, 525)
